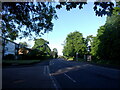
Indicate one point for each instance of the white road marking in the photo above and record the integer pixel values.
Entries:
(51, 77)
(69, 77)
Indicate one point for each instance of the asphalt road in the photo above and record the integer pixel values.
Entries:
(59, 74)
(83, 75)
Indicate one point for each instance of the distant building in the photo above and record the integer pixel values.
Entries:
(8, 47)
(23, 51)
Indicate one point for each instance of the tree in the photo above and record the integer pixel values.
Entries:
(106, 45)
(23, 44)
(89, 41)
(75, 43)
(95, 45)
(42, 46)
(100, 8)
(37, 17)
(55, 53)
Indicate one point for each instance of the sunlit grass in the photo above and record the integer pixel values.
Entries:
(70, 59)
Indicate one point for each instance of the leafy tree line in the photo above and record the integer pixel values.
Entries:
(75, 44)
(41, 50)
(37, 17)
(106, 45)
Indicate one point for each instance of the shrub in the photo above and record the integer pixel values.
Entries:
(9, 57)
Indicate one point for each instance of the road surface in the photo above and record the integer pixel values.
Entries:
(59, 74)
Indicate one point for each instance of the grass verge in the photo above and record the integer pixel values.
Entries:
(104, 63)
(70, 59)
(19, 62)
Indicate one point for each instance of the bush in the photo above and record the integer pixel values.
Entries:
(9, 57)
(35, 55)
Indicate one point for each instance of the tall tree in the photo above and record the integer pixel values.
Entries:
(42, 46)
(75, 43)
(55, 53)
(107, 42)
(95, 45)
(89, 41)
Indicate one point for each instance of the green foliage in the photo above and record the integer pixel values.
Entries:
(23, 44)
(105, 8)
(34, 53)
(9, 57)
(88, 42)
(106, 45)
(37, 17)
(42, 46)
(55, 50)
(40, 50)
(100, 8)
(75, 43)
(54, 53)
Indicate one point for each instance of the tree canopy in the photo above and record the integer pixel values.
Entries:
(106, 45)
(88, 42)
(74, 43)
(23, 44)
(42, 46)
(37, 17)
(55, 53)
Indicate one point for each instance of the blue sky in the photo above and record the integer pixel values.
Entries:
(85, 21)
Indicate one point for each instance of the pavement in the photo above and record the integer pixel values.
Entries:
(60, 74)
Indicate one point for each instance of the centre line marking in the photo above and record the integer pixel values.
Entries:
(70, 78)
(44, 70)
(53, 81)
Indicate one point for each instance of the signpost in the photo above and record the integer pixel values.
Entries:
(77, 56)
